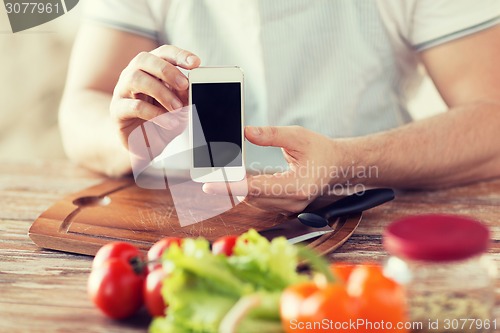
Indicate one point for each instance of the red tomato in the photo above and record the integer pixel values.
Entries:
(115, 288)
(156, 251)
(120, 250)
(224, 245)
(152, 293)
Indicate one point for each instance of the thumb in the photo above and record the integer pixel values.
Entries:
(287, 137)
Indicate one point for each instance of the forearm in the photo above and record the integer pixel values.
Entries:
(88, 133)
(453, 148)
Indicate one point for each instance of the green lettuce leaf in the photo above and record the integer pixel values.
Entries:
(268, 265)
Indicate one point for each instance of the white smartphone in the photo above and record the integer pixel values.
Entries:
(216, 124)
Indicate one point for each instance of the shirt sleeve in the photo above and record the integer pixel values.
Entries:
(132, 16)
(434, 22)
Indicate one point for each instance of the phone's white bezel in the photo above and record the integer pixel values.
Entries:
(216, 75)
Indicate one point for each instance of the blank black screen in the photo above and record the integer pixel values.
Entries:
(218, 106)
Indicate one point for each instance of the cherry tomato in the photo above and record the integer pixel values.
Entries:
(379, 297)
(156, 251)
(152, 292)
(361, 292)
(120, 250)
(293, 297)
(305, 305)
(342, 271)
(224, 245)
(115, 288)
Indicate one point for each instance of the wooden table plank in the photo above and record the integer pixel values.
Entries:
(63, 319)
(27, 189)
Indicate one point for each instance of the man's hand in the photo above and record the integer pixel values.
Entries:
(150, 86)
(310, 158)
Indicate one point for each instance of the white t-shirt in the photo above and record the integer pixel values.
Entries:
(342, 68)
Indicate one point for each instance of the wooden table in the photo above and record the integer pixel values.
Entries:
(45, 291)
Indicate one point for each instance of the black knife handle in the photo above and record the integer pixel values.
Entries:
(357, 203)
(353, 204)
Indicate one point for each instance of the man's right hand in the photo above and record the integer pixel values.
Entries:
(149, 86)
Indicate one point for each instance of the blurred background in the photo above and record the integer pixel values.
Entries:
(33, 66)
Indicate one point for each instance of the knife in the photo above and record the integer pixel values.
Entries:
(294, 231)
(308, 225)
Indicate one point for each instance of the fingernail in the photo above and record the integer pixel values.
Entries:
(207, 189)
(181, 81)
(255, 131)
(190, 60)
(176, 104)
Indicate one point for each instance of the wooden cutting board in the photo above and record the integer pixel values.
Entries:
(119, 210)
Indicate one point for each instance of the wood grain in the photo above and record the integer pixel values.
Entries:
(44, 291)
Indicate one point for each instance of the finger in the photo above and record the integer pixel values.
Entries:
(292, 138)
(279, 185)
(276, 205)
(268, 204)
(143, 83)
(282, 185)
(239, 188)
(129, 108)
(176, 119)
(177, 56)
(183, 96)
(278, 193)
(160, 69)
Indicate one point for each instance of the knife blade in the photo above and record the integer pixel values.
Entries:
(294, 231)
